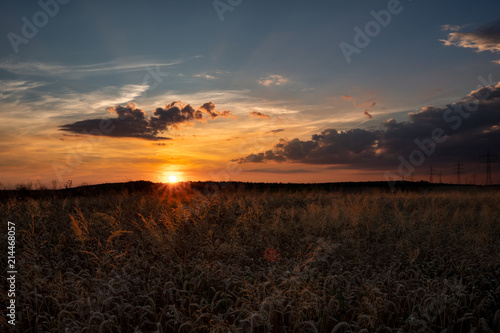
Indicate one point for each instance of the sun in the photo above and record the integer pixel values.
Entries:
(171, 177)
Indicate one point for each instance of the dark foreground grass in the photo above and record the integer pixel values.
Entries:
(179, 261)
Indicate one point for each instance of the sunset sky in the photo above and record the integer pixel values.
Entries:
(265, 91)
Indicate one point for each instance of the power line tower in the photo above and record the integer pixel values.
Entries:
(458, 171)
(488, 159)
(431, 174)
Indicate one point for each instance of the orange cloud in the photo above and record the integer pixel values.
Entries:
(484, 38)
(368, 105)
(256, 114)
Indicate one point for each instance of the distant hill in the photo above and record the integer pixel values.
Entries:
(147, 187)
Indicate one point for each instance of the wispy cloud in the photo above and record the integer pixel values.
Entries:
(450, 27)
(45, 69)
(273, 80)
(13, 87)
(205, 76)
(63, 104)
(211, 75)
(97, 99)
(484, 38)
(367, 105)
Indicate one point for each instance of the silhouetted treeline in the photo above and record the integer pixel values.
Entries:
(147, 187)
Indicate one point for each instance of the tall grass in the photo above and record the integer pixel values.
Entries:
(180, 261)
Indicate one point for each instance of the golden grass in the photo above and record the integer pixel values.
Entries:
(179, 261)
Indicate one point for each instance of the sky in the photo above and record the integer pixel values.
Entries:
(260, 91)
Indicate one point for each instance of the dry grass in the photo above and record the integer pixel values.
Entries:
(179, 261)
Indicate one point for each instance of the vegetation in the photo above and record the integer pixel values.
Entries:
(177, 260)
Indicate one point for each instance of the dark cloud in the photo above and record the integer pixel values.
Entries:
(276, 130)
(227, 114)
(281, 171)
(490, 32)
(328, 147)
(261, 157)
(367, 114)
(484, 38)
(256, 114)
(210, 109)
(132, 122)
(174, 114)
(469, 126)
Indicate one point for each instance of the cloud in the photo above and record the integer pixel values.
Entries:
(211, 75)
(227, 114)
(205, 76)
(484, 38)
(328, 147)
(269, 155)
(449, 27)
(281, 171)
(13, 87)
(113, 95)
(276, 130)
(469, 125)
(256, 114)
(209, 108)
(118, 65)
(367, 105)
(135, 123)
(39, 100)
(273, 80)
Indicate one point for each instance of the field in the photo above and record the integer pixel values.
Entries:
(174, 259)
